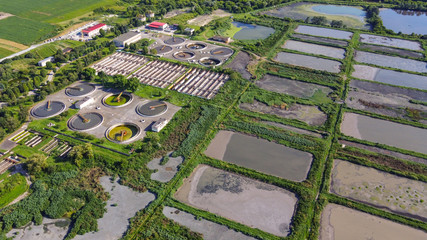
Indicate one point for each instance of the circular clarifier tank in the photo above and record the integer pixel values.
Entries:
(196, 46)
(222, 51)
(162, 49)
(152, 108)
(48, 109)
(117, 100)
(86, 121)
(210, 62)
(123, 132)
(174, 41)
(80, 90)
(184, 55)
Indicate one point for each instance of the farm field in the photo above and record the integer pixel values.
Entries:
(309, 62)
(30, 30)
(315, 49)
(239, 198)
(397, 194)
(308, 114)
(390, 77)
(340, 222)
(52, 11)
(385, 132)
(9, 47)
(260, 155)
(294, 88)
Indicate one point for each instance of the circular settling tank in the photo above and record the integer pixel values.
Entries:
(48, 109)
(174, 41)
(123, 132)
(209, 62)
(222, 51)
(86, 121)
(152, 108)
(117, 100)
(184, 55)
(162, 49)
(80, 90)
(196, 46)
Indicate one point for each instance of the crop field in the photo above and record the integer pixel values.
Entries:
(52, 11)
(25, 31)
(5, 52)
(396, 194)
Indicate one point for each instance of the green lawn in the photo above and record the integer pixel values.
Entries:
(25, 31)
(231, 31)
(11, 188)
(5, 52)
(52, 11)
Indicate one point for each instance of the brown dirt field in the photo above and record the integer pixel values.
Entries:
(10, 45)
(202, 20)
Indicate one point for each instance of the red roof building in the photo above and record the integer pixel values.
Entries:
(158, 25)
(94, 29)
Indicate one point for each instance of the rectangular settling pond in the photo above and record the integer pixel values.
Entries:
(309, 62)
(385, 132)
(260, 155)
(390, 77)
(390, 61)
(368, 185)
(315, 49)
(390, 42)
(241, 199)
(323, 32)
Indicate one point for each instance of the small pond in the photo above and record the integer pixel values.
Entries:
(252, 32)
(405, 21)
(340, 10)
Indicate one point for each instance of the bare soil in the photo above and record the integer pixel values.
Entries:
(339, 222)
(380, 189)
(308, 114)
(240, 64)
(241, 199)
(387, 100)
(401, 52)
(203, 20)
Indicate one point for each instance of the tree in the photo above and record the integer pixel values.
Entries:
(102, 32)
(43, 73)
(153, 51)
(36, 163)
(337, 24)
(319, 20)
(79, 152)
(49, 65)
(133, 84)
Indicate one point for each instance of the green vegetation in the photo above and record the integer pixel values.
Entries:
(5, 52)
(127, 131)
(114, 101)
(12, 187)
(25, 31)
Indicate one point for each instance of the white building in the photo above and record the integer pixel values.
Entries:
(159, 125)
(127, 38)
(44, 61)
(84, 102)
(94, 30)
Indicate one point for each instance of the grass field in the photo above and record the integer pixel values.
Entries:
(25, 31)
(11, 188)
(5, 52)
(52, 11)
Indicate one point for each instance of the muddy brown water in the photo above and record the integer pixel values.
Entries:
(241, 199)
(262, 155)
(339, 222)
(385, 132)
(381, 189)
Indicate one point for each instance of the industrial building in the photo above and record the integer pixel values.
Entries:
(159, 125)
(94, 30)
(44, 61)
(127, 38)
(84, 102)
(158, 26)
